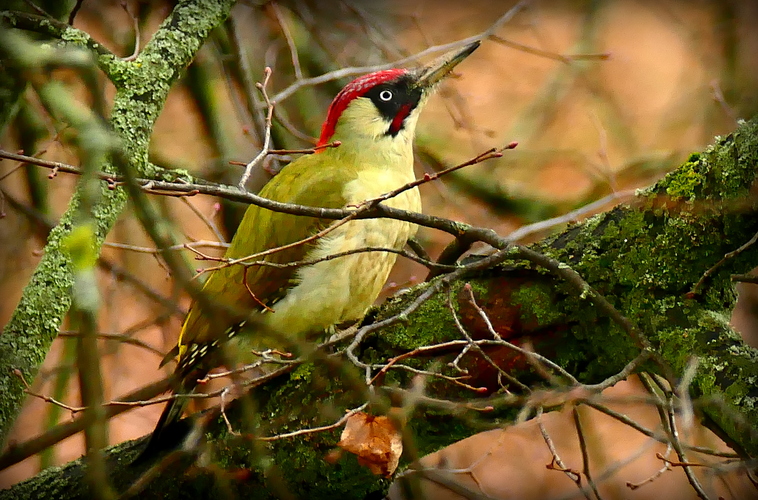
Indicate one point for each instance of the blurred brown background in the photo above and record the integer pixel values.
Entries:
(602, 97)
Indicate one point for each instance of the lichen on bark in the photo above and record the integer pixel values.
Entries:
(35, 322)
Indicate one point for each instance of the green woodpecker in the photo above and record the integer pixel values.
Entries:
(374, 118)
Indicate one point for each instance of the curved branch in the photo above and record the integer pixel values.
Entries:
(62, 31)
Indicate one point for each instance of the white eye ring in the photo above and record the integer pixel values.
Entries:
(385, 95)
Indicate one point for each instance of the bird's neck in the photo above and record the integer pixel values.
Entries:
(392, 156)
(385, 152)
(366, 141)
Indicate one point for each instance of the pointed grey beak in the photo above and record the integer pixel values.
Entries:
(428, 76)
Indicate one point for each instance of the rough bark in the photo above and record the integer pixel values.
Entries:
(142, 87)
(645, 257)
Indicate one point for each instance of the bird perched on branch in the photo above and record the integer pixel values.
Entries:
(374, 119)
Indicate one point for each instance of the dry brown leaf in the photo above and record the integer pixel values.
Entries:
(375, 440)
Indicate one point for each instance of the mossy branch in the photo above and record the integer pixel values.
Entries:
(142, 87)
(59, 30)
(644, 257)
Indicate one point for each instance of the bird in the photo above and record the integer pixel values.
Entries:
(373, 121)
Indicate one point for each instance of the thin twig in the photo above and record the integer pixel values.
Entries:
(473, 344)
(36, 8)
(528, 353)
(625, 372)
(679, 464)
(557, 463)
(677, 444)
(358, 70)
(567, 59)
(74, 12)
(281, 118)
(18, 452)
(192, 245)
(120, 337)
(267, 131)
(243, 260)
(290, 41)
(682, 391)
(222, 409)
(585, 451)
(543, 225)
(206, 220)
(435, 286)
(266, 358)
(237, 67)
(308, 262)
(647, 432)
(393, 363)
(313, 430)
(487, 155)
(135, 27)
(658, 473)
(27, 389)
(729, 256)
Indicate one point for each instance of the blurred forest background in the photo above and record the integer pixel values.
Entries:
(602, 97)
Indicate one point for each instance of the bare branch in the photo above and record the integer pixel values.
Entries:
(557, 463)
(359, 70)
(585, 452)
(313, 430)
(267, 130)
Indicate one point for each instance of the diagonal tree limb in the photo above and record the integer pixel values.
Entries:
(142, 88)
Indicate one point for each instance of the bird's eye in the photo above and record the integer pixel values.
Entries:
(385, 95)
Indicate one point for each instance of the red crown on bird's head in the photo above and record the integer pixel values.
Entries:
(356, 88)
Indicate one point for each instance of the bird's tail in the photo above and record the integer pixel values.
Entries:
(194, 363)
(168, 433)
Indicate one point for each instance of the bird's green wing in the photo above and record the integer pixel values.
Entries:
(303, 182)
(250, 288)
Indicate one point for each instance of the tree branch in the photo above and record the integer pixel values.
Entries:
(642, 257)
(142, 91)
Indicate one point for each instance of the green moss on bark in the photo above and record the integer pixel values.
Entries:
(644, 257)
(142, 87)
